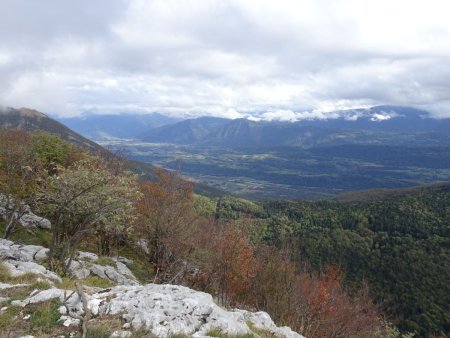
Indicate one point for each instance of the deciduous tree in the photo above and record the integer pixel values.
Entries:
(167, 222)
(84, 198)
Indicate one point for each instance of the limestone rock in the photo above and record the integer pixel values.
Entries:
(261, 320)
(40, 297)
(121, 334)
(164, 310)
(69, 321)
(119, 274)
(4, 286)
(31, 220)
(25, 253)
(27, 218)
(82, 255)
(18, 268)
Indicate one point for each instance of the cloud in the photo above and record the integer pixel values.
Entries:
(263, 59)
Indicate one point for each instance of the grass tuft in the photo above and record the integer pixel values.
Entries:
(4, 273)
(41, 285)
(220, 334)
(44, 316)
(260, 332)
(98, 331)
(5, 276)
(179, 335)
(9, 318)
(98, 282)
(105, 260)
(66, 284)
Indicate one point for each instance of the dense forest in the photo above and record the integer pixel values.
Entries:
(326, 269)
(399, 245)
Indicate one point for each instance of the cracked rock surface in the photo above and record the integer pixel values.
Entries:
(85, 264)
(164, 310)
(22, 259)
(167, 310)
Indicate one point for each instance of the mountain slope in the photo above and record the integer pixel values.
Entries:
(185, 132)
(32, 120)
(124, 126)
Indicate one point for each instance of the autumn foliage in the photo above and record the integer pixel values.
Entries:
(90, 199)
(166, 223)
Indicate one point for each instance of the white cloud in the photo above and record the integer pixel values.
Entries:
(282, 60)
(380, 117)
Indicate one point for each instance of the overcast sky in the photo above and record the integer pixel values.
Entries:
(229, 58)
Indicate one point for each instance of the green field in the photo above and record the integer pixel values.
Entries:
(293, 172)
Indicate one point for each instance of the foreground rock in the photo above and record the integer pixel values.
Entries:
(20, 259)
(25, 259)
(162, 310)
(167, 310)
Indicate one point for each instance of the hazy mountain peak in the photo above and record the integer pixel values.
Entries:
(24, 112)
(32, 113)
(33, 120)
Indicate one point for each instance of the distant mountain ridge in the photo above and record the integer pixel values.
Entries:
(122, 126)
(376, 125)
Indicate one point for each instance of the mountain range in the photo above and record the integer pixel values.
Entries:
(380, 125)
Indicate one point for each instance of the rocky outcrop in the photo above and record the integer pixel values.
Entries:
(20, 259)
(162, 310)
(86, 264)
(166, 310)
(24, 259)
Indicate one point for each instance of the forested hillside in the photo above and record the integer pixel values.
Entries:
(400, 246)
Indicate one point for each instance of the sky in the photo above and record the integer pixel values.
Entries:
(279, 59)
